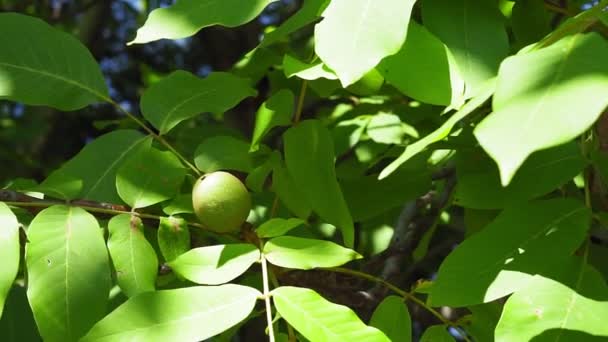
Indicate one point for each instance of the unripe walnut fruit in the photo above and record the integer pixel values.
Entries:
(221, 202)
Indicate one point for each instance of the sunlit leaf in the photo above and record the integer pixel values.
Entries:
(213, 265)
(294, 67)
(320, 320)
(562, 84)
(223, 153)
(182, 95)
(277, 227)
(133, 257)
(186, 17)
(68, 270)
(187, 314)
(355, 35)
(305, 254)
(9, 251)
(44, 66)
(173, 237)
(276, 111)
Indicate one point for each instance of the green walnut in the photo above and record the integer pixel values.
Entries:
(221, 202)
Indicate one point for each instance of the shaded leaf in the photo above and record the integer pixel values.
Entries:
(436, 333)
(9, 251)
(180, 204)
(213, 265)
(186, 17)
(289, 193)
(68, 270)
(320, 320)
(294, 67)
(133, 257)
(223, 153)
(45, 66)
(148, 177)
(309, 12)
(173, 237)
(277, 227)
(17, 322)
(561, 84)
(525, 239)
(393, 319)
(187, 314)
(91, 174)
(305, 254)
(479, 182)
(182, 95)
(355, 35)
(309, 155)
(530, 21)
(276, 111)
(475, 34)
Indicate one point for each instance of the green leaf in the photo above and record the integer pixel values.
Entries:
(276, 111)
(306, 254)
(320, 320)
(294, 67)
(483, 320)
(355, 35)
(393, 319)
(91, 174)
(187, 314)
(133, 257)
(421, 68)
(530, 21)
(443, 131)
(291, 196)
(214, 265)
(550, 310)
(257, 177)
(385, 128)
(475, 34)
(173, 237)
(223, 153)
(68, 271)
(479, 182)
(180, 204)
(44, 66)
(182, 95)
(309, 12)
(9, 251)
(525, 239)
(149, 177)
(368, 197)
(277, 227)
(17, 323)
(562, 84)
(309, 155)
(436, 333)
(186, 17)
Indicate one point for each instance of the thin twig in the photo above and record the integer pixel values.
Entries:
(300, 106)
(267, 298)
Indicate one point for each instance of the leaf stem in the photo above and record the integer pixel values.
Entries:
(157, 137)
(300, 106)
(267, 298)
(402, 293)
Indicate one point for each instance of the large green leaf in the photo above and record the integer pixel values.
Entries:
(552, 310)
(276, 111)
(436, 333)
(133, 257)
(182, 95)
(525, 239)
(421, 68)
(173, 237)
(443, 131)
(479, 182)
(17, 323)
(309, 155)
(355, 35)
(291, 196)
(9, 251)
(68, 272)
(187, 314)
(214, 265)
(305, 254)
(43, 66)
(475, 34)
(311, 10)
(91, 174)
(393, 319)
(368, 197)
(186, 17)
(320, 320)
(149, 177)
(223, 152)
(563, 84)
